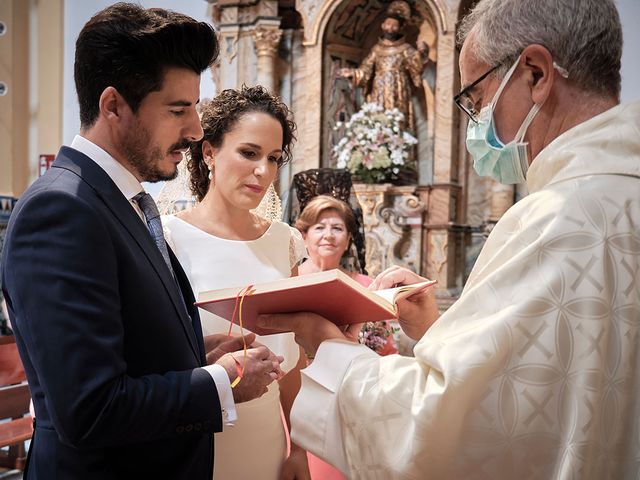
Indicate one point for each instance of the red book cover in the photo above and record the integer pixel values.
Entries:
(332, 294)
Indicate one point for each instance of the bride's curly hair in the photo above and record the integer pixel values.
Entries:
(220, 115)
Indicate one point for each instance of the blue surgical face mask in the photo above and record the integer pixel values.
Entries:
(505, 163)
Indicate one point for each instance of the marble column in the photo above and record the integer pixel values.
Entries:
(444, 228)
(266, 39)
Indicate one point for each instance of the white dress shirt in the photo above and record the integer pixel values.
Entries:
(129, 185)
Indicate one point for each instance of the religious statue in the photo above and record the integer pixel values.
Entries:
(394, 65)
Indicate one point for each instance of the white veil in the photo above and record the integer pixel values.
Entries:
(175, 196)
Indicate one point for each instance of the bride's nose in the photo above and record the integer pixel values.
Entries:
(261, 168)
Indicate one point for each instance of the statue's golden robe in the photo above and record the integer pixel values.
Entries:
(394, 66)
(534, 372)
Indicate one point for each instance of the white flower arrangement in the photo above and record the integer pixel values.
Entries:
(374, 146)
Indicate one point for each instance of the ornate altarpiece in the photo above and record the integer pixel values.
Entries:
(295, 47)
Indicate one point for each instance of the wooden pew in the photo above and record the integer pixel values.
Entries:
(16, 422)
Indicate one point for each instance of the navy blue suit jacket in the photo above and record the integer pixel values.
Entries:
(110, 353)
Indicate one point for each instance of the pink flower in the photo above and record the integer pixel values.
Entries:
(374, 335)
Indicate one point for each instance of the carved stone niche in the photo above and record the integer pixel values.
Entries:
(392, 224)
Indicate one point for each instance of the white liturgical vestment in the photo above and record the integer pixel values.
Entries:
(534, 373)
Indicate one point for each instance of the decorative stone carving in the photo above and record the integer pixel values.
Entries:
(229, 44)
(225, 12)
(268, 8)
(266, 40)
(392, 218)
(229, 15)
(437, 260)
(309, 10)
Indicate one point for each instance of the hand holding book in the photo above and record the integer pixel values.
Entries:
(417, 312)
(312, 329)
(331, 294)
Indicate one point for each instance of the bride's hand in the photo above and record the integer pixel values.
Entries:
(296, 466)
(278, 370)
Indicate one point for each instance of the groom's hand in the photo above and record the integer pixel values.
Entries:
(218, 344)
(260, 366)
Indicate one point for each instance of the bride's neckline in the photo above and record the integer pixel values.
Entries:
(203, 232)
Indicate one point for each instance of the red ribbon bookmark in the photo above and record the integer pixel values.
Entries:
(248, 290)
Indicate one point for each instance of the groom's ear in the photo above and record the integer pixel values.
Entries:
(112, 105)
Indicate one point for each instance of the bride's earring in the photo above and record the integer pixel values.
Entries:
(210, 167)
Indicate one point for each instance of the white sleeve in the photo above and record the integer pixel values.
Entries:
(315, 420)
(297, 248)
(225, 395)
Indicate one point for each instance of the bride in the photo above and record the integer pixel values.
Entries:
(221, 243)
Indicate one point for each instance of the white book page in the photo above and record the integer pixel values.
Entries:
(392, 295)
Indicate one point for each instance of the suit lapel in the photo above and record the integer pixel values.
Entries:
(189, 299)
(98, 179)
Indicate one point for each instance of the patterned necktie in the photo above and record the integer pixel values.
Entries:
(154, 224)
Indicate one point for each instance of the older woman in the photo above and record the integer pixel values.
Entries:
(328, 226)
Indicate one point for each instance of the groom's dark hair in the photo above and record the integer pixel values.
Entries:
(129, 48)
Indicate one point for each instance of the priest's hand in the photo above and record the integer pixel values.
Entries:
(258, 368)
(218, 344)
(309, 328)
(417, 312)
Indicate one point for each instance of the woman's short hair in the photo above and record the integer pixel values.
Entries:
(321, 204)
(220, 115)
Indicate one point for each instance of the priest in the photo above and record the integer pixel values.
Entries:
(533, 372)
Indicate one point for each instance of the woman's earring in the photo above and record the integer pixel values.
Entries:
(210, 172)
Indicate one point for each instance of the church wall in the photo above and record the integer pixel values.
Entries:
(14, 116)
(306, 100)
(288, 64)
(629, 16)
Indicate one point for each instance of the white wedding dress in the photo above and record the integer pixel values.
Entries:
(255, 447)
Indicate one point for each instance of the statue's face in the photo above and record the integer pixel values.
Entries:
(391, 25)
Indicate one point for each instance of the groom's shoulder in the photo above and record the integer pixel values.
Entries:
(67, 175)
(61, 186)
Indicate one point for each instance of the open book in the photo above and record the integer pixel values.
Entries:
(332, 294)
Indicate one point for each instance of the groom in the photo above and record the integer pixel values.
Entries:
(102, 311)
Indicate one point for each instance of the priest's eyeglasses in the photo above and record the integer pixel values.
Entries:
(465, 102)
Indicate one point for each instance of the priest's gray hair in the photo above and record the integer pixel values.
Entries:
(583, 36)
